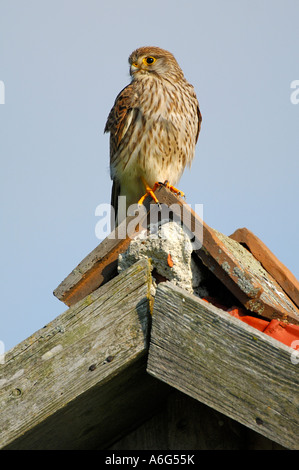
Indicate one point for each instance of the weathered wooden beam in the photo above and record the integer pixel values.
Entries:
(235, 267)
(231, 367)
(245, 277)
(269, 261)
(80, 382)
(231, 263)
(99, 266)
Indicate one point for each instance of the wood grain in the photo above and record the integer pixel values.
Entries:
(231, 367)
(99, 266)
(63, 387)
(231, 263)
(269, 261)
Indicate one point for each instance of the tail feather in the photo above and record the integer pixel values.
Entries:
(114, 203)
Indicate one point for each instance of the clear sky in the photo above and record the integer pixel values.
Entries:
(62, 63)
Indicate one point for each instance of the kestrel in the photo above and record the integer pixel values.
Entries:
(154, 126)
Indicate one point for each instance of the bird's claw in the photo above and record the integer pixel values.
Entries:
(151, 191)
(173, 189)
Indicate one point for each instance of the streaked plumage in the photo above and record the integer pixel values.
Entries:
(154, 125)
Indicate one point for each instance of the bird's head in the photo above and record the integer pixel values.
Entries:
(154, 61)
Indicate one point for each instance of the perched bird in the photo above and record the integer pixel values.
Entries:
(154, 126)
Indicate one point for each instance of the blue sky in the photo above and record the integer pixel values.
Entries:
(64, 61)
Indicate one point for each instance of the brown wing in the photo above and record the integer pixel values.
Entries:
(119, 124)
(120, 118)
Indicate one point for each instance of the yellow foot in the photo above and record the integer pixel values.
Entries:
(173, 189)
(149, 192)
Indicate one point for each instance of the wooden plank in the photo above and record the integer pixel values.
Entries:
(233, 265)
(80, 382)
(230, 366)
(245, 277)
(269, 261)
(97, 268)
(100, 265)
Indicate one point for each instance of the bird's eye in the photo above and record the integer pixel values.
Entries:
(149, 60)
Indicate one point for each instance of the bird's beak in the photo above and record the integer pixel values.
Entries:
(134, 67)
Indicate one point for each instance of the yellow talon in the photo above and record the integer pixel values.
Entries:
(149, 192)
(173, 189)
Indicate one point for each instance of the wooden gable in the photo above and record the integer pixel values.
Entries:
(109, 363)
